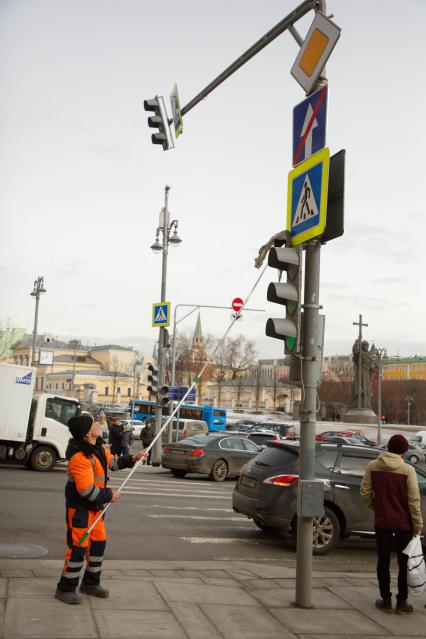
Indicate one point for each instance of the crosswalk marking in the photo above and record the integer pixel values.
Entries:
(222, 510)
(167, 495)
(225, 540)
(169, 516)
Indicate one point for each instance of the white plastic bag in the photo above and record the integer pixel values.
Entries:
(416, 569)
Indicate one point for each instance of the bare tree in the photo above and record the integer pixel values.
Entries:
(117, 369)
(239, 354)
(219, 377)
(184, 363)
(9, 335)
(258, 385)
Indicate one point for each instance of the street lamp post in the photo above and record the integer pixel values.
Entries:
(165, 227)
(36, 292)
(380, 353)
(75, 344)
(408, 399)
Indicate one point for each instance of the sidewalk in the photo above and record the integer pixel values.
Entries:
(197, 600)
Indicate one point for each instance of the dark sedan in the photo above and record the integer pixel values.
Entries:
(266, 491)
(217, 456)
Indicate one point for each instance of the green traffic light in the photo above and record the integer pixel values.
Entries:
(290, 344)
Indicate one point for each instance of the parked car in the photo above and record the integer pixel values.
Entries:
(243, 426)
(261, 437)
(187, 428)
(349, 441)
(267, 491)
(321, 437)
(137, 426)
(216, 455)
(284, 430)
(414, 454)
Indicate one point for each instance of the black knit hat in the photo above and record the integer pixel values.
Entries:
(80, 425)
(398, 444)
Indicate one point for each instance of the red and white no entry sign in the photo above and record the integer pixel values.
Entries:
(237, 304)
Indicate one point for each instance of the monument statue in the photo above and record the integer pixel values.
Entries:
(361, 389)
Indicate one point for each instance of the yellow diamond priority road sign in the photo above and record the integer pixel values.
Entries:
(315, 51)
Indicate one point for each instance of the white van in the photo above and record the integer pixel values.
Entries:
(187, 427)
(419, 438)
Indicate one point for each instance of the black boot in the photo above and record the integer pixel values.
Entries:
(94, 589)
(68, 597)
(384, 604)
(402, 607)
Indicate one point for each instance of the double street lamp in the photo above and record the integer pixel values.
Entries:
(36, 292)
(165, 227)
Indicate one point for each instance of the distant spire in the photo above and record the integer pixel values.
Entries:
(198, 333)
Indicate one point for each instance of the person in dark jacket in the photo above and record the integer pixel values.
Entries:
(390, 488)
(147, 436)
(116, 436)
(86, 493)
(127, 438)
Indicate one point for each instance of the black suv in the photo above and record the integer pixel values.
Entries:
(267, 491)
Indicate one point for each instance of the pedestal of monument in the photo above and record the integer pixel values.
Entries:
(360, 416)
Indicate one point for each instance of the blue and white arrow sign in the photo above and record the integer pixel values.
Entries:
(309, 125)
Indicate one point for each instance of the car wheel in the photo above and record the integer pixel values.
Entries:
(326, 532)
(264, 527)
(219, 470)
(178, 473)
(43, 459)
(413, 459)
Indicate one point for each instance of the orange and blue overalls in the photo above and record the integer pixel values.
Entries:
(86, 494)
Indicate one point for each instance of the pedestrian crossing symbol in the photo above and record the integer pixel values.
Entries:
(161, 314)
(307, 198)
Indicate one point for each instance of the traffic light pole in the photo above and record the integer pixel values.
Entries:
(308, 413)
(308, 420)
(156, 457)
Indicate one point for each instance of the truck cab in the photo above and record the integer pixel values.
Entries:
(48, 433)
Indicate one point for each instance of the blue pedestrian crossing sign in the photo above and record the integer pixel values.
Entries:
(161, 314)
(307, 198)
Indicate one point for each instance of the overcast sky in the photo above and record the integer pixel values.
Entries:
(82, 185)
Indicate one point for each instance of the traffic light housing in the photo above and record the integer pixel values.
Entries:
(153, 379)
(161, 392)
(157, 121)
(163, 396)
(288, 294)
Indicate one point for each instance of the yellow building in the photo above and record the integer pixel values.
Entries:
(404, 368)
(107, 374)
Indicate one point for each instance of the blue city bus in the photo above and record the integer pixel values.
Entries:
(214, 416)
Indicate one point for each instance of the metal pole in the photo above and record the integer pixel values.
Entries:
(273, 33)
(308, 420)
(308, 411)
(73, 366)
(379, 402)
(162, 335)
(359, 361)
(33, 352)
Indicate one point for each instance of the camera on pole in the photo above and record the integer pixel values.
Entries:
(157, 121)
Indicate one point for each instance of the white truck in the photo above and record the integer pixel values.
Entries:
(33, 431)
